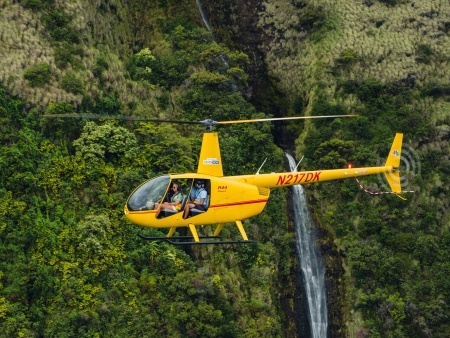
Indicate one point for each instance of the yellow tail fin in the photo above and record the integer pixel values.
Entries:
(393, 160)
(210, 162)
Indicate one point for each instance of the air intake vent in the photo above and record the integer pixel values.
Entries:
(264, 191)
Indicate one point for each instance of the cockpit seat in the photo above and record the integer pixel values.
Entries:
(195, 211)
(170, 212)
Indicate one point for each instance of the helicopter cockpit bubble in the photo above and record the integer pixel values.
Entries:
(148, 194)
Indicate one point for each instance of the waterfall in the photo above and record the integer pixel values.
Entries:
(202, 13)
(310, 261)
(208, 27)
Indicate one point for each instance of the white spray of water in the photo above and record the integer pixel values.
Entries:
(310, 261)
(205, 20)
(202, 13)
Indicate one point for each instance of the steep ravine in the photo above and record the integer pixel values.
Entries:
(235, 23)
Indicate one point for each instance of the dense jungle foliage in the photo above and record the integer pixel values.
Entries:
(397, 250)
(72, 266)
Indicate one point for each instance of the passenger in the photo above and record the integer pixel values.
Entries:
(197, 198)
(175, 200)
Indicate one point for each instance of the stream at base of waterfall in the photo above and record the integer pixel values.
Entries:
(310, 261)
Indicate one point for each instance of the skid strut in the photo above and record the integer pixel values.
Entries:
(187, 240)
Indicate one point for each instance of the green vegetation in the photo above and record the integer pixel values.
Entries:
(393, 247)
(58, 25)
(392, 2)
(37, 4)
(424, 54)
(71, 266)
(387, 64)
(72, 84)
(38, 74)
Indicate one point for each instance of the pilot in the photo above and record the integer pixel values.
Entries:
(175, 200)
(197, 198)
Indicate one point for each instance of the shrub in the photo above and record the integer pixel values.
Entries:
(390, 2)
(57, 23)
(170, 70)
(59, 108)
(435, 90)
(238, 74)
(209, 78)
(33, 4)
(165, 71)
(72, 84)
(346, 60)
(37, 4)
(100, 65)
(109, 104)
(424, 54)
(312, 18)
(38, 74)
(64, 55)
(163, 100)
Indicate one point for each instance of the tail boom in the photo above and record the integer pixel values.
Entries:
(276, 180)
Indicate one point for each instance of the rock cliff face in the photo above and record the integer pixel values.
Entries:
(302, 51)
(304, 48)
(255, 27)
(236, 23)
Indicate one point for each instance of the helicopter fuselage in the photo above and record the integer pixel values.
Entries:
(228, 200)
(232, 198)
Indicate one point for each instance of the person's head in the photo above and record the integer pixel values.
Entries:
(199, 184)
(175, 187)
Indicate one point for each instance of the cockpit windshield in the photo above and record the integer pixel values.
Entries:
(148, 194)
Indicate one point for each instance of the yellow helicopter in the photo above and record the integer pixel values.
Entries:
(212, 198)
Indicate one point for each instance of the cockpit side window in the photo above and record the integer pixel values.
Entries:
(148, 194)
(199, 197)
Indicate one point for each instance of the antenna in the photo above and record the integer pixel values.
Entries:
(296, 166)
(299, 163)
(257, 173)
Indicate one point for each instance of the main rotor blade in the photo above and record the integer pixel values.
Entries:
(208, 123)
(285, 118)
(118, 117)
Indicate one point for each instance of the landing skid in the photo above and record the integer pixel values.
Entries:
(156, 238)
(187, 240)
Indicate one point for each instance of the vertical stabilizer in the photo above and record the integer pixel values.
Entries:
(396, 151)
(210, 162)
(393, 160)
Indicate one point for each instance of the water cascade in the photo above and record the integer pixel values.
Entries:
(205, 20)
(310, 261)
(202, 13)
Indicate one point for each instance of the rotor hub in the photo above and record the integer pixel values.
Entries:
(208, 123)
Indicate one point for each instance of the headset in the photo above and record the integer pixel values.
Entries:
(179, 187)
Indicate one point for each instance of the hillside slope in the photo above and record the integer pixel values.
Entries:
(70, 265)
(387, 61)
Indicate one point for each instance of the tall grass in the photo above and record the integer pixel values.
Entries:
(25, 43)
(385, 41)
